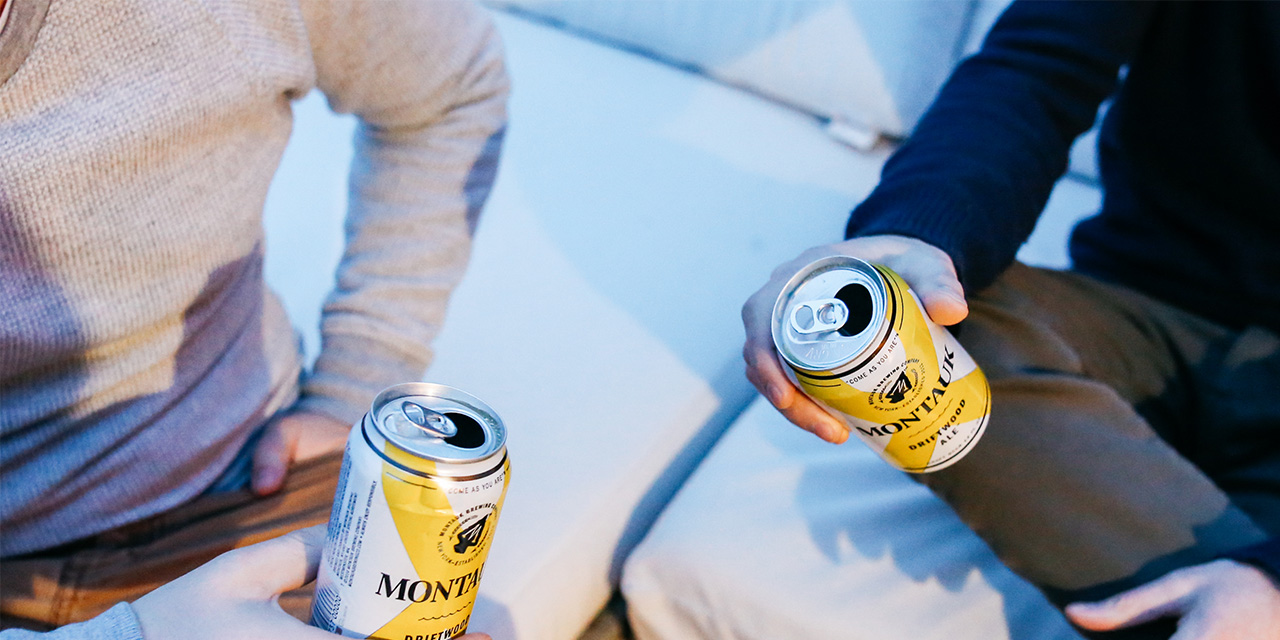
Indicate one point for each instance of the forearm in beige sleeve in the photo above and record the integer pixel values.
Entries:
(427, 81)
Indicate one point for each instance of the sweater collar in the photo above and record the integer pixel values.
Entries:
(4, 13)
(25, 17)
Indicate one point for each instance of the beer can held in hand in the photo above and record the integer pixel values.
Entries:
(859, 343)
(421, 487)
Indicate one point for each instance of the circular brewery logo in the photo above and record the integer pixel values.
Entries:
(899, 388)
(464, 537)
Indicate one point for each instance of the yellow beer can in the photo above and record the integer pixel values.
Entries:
(859, 343)
(422, 483)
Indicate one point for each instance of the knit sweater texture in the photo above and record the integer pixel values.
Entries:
(139, 345)
(1189, 152)
(117, 623)
(1189, 155)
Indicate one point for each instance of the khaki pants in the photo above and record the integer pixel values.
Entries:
(1127, 437)
(80, 580)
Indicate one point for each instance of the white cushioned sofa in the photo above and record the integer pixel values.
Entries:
(662, 157)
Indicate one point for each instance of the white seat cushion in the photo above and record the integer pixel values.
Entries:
(780, 535)
(637, 207)
(874, 64)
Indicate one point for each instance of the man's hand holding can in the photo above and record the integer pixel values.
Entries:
(928, 271)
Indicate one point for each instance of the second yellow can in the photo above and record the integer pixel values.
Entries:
(857, 340)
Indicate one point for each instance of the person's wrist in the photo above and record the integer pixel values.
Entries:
(1264, 556)
(1255, 572)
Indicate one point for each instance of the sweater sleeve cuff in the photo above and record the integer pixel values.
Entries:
(117, 623)
(352, 369)
(932, 217)
(1264, 555)
(980, 246)
(121, 622)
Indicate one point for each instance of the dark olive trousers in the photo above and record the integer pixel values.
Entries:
(1127, 438)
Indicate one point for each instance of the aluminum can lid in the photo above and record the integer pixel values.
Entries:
(830, 313)
(438, 423)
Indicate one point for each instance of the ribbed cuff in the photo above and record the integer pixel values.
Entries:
(928, 216)
(122, 622)
(980, 248)
(117, 623)
(351, 370)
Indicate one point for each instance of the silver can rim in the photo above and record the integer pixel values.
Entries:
(495, 429)
(856, 349)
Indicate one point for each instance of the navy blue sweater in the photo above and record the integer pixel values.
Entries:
(1189, 154)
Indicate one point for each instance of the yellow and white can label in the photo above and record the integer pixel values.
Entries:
(406, 547)
(918, 399)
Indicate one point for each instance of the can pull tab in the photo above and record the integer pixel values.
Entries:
(432, 422)
(819, 316)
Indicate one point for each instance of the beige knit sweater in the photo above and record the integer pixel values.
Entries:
(139, 346)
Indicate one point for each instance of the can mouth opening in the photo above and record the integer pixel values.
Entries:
(470, 434)
(857, 298)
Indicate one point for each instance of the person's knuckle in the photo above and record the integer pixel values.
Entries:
(814, 254)
(1222, 565)
(224, 566)
(945, 281)
(295, 537)
(1189, 575)
(784, 400)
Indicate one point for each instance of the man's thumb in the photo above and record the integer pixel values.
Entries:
(279, 564)
(932, 276)
(935, 283)
(945, 305)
